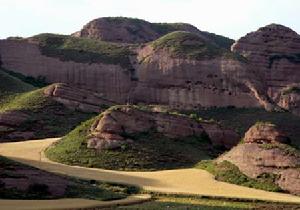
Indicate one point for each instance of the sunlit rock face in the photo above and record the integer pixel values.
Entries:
(274, 53)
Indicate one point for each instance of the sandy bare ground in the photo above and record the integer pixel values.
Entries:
(183, 181)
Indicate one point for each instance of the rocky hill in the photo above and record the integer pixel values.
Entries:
(141, 138)
(132, 30)
(186, 69)
(46, 112)
(264, 153)
(274, 54)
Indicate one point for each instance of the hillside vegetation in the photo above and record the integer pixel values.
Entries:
(46, 117)
(10, 85)
(83, 50)
(183, 44)
(241, 119)
(149, 151)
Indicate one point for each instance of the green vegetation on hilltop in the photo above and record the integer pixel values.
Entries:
(228, 172)
(241, 119)
(189, 45)
(83, 50)
(10, 85)
(47, 118)
(148, 151)
(76, 188)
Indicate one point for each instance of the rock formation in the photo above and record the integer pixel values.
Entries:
(76, 98)
(265, 133)
(131, 30)
(184, 70)
(264, 153)
(112, 128)
(274, 54)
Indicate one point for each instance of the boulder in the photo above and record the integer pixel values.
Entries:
(77, 98)
(263, 152)
(112, 129)
(265, 133)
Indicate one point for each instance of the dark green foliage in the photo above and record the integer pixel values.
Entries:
(293, 58)
(10, 85)
(40, 81)
(149, 151)
(241, 119)
(289, 90)
(39, 189)
(228, 172)
(83, 50)
(221, 41)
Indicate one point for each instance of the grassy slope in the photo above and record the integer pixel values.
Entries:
(83, 50)
(227, 172)
(241, 119)
(188, 45)
(47, 117)
(76, 189)
(149, 151)
(186, 202)
(10, 85)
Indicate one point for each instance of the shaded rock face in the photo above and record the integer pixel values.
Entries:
(76, 98)
(265, 133)
(263, 153)
(23, 178)
(8, 123)
(128, 30)
(186, 83)
(112, 81)
(111, 130)
(289, 99)
(274, 53)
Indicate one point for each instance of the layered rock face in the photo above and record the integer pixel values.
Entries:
(274, 53)
(111, 129)
(190, 83)
(265, 133)
(112, 81)
(261, 153)
(76, 98)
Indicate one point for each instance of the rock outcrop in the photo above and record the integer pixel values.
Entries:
(179, 70)
(265, 133)
(76, 98)
(112, 81)
(264, 153)
(274, 54)
(131, 30)
(112, 129)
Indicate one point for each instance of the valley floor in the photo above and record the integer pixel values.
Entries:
(182, 181)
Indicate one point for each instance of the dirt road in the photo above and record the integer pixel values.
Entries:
(188, 181)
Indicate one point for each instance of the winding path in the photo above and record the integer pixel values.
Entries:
(185, 181)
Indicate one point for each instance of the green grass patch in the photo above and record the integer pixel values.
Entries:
(149, 151)
(38, 82)
(83, 50)
(10, 85)
(189, 45)
(228, 172)
(47, 118)
(241, 119)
